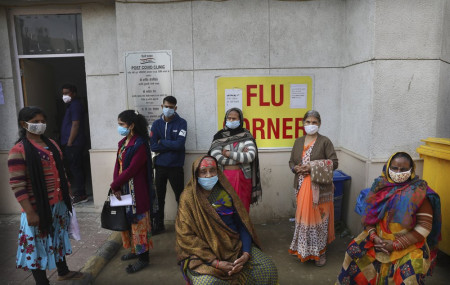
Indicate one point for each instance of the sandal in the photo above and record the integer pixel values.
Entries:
(129, 256)
(322, 260)
(137, 266)
(72, 275)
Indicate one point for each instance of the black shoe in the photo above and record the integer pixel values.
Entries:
(137, 266)
(80, 199)
(129, 256)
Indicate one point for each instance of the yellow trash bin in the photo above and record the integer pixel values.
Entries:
(436, 171)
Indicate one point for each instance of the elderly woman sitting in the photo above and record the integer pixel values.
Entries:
(216, 242)
(402, 223)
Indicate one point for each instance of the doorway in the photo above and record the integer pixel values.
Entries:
(42, 79)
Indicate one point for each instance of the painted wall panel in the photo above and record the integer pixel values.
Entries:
(356, 118)
(100, 39)
(5, 55)
(359, 31)
(404, 105)
(408, 29)
(144, 27)
(230, 34)
(306, 33)
(105, 104)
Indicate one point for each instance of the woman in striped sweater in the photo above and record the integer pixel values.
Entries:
(39, 182)
(237, 154)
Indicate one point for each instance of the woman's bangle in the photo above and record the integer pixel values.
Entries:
(217, 264)
(398, 245)
(370, 230)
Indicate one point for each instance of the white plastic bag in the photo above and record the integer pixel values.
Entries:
(74, 230)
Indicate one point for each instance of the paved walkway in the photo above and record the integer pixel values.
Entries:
(275, 239)
(92, 237)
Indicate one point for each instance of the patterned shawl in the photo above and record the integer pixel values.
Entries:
(321, 177)
(128, 188)
(322, 181)
(201, 235)
(228, 136)
(400, 202)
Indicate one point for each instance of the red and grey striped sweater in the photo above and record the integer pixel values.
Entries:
(19, 177)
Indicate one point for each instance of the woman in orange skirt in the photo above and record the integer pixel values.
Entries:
(313, 160)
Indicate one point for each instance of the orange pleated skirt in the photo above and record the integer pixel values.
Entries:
(314, 225)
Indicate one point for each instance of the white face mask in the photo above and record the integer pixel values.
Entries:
(399, 177)
(36, 128)
(311, 129)
(66, 98)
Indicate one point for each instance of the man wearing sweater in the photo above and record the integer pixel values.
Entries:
(167, 138)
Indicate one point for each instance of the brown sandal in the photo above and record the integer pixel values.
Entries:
(72, 275)
(322, 260)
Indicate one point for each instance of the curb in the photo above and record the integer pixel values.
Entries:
(96, 262)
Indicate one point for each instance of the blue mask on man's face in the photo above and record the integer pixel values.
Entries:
(168, 112)
(208, 182)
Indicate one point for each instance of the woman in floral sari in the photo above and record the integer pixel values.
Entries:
(38, 180)
(313, 160)
(402, 222)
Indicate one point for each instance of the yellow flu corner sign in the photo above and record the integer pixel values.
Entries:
(273, 106)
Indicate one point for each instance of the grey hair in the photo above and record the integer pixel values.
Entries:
(312, 113)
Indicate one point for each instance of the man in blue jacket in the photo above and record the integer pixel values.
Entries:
(167, 138)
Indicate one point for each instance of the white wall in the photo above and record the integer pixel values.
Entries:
(306, 34)
(443, 115)
(408, 29)
(8, 117)
(380, 72)
(102, 75)
(394, 87)
(443, 102)
(9, 128)
(210, 39)
(404, 105)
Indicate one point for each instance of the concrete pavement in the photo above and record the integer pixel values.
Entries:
(99, 252)
(275, 239)
(92, 238)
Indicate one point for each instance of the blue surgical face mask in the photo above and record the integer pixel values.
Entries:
(168, 112)
(208, 182)
(233, 124)
(123, 131)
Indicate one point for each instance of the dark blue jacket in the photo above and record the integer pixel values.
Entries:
(168, 139)
(74, 112)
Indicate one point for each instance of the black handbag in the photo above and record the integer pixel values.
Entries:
(114, 218)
